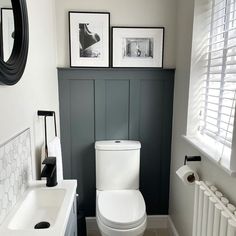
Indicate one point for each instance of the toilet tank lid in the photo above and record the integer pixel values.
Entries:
(116, 145)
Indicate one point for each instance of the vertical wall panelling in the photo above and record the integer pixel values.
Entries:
(151, 116)
(100, 109)
(117, 104)
(64, 100)
(117, 109)
(82, 141)
(112, 121)
(168, 89)
(134, 109)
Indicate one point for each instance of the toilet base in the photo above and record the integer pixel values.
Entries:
(108, 231)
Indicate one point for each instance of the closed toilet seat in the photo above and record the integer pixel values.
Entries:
(121, 209)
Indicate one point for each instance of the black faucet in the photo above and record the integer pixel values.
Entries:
(50, 171)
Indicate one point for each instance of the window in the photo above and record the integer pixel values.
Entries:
(216, 77)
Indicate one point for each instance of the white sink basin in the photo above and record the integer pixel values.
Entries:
(41, 204)
(38, 205)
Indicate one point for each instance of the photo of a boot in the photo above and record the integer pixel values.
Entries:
(86, 37)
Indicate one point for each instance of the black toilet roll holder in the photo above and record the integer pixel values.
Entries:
(191, 158)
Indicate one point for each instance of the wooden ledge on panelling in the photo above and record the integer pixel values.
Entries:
(115, 73)
(116, 68)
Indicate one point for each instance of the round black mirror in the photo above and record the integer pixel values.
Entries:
(14, 40)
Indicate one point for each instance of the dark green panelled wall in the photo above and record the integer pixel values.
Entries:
(101, 104)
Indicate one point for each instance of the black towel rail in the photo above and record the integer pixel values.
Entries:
(45, 114)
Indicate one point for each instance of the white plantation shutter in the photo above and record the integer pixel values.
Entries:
(219, 80)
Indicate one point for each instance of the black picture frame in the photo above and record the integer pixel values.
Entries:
(12, 70)
(127, 65)
(93, 63)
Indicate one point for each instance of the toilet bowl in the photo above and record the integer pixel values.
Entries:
(120, 206)
(121, 212)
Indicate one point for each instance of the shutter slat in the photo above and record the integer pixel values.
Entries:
(223, 97)
(217, 104)
(221, 113)
(222, 32)
(226, 141)
(219, 89)
(224, 122)
(221, 49)
(219, 57)
(220, 128)
(227, 80)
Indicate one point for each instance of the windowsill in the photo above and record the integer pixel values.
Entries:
(210, 155)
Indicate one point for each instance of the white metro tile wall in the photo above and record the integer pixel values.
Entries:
(15, 171)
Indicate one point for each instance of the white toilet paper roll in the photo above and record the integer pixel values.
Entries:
(187, 175)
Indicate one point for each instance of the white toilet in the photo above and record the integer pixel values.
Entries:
(120, 207)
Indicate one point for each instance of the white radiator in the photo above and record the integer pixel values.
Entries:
(213, 215)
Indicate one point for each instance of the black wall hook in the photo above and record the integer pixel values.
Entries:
(192, 158)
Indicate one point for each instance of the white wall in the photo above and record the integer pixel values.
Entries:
(5, 3)
(38, 88)
(123, 13)
(181, 197)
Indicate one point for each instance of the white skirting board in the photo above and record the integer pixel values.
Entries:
(172, 230)
(153, 222)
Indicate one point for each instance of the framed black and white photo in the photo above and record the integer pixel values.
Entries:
(89, 39)
(7, 32)
(137, 47)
